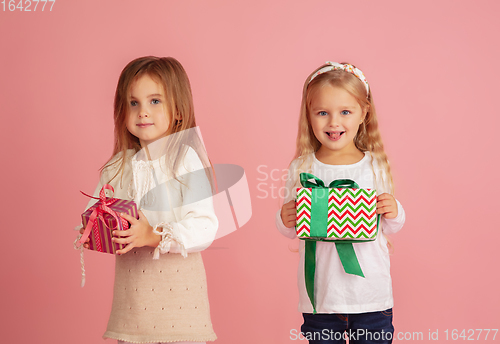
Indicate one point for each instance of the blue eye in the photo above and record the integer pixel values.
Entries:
(133, 103)
(155, 101)
(345, 112)
(323, 113)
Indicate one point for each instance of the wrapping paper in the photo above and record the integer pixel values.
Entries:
(102, 218)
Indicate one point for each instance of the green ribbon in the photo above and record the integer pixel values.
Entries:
(310, 270)
(319, 224)
(311, 181)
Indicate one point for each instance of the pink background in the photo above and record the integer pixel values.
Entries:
(433, 68)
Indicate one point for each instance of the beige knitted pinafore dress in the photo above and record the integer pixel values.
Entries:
(161, 300)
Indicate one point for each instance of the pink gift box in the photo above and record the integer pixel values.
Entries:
(101, 219)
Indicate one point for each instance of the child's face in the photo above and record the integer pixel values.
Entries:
(146, 118)
(335, 118)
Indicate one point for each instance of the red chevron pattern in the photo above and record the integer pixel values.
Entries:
(303, 205)
(351, 200)
(352, 214)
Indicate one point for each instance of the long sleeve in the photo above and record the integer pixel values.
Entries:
(179, 209)
(392, 226)
(196, 223)
(290, 194)
(389, 226)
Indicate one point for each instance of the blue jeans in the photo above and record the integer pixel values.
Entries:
(373, 327)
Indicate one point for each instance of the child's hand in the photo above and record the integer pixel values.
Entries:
(139, 234)
(289, 214)
(387, 206)
(86, 244)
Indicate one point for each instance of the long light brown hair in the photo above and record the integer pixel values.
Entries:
(368, 136)
(179, 109)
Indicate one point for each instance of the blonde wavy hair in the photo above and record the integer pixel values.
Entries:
(368, 136)
(179, 109)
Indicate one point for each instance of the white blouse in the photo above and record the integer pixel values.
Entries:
(183, 207)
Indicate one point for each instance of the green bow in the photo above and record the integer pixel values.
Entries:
(319, 225)
(306, 179)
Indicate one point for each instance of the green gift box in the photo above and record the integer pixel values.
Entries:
(341, 213)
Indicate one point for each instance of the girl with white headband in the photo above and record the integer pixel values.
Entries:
(338, 138)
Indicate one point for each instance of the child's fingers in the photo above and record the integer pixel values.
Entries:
(390, 215)
(123, 241)
(384, 203)
(82, 230)
(289, 211)
(386, 210)
(125, 249)
(287, 216)
(289, 205)
(387, 200)
(88, 239)
(387, 206)
(290, 215)
(129, 218)
(384, 196)
(125, 233)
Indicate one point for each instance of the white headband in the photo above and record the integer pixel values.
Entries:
(345, 67)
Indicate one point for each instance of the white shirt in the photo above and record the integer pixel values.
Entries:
(336, 291)
(186, 204)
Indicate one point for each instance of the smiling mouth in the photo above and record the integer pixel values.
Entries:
(335, 135)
